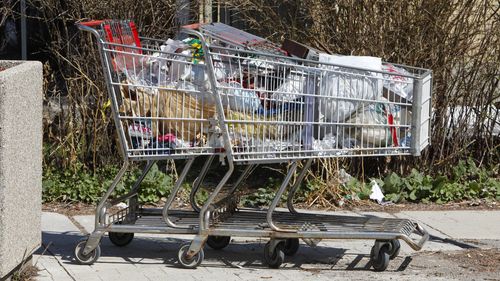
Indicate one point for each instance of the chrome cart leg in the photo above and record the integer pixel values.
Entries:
(220, 242)
(125, 238)
(204, 213)
(197, 183)
(87, 251)
(248, 170)
(132, 194)
(195, 250)
(133, 202)
(173, 194)
(92, 241)
(277, 199)
(291, 193)
(100, 214)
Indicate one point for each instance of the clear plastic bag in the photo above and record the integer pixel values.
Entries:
(376, 114)
(397, 84)
(238, 98)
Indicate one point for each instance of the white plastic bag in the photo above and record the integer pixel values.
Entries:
(172, 46)
(376, 194)
(345, 82)
(290, 89)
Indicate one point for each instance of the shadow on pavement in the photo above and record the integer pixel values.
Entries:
(163, 250)
(452, 242)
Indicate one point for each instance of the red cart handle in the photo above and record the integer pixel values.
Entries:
(191, 26)
(92, 23)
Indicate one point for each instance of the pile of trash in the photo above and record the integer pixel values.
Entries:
(361, 102)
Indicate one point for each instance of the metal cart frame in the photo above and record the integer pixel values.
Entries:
(219, 217)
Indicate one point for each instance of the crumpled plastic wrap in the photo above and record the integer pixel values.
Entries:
(398, 84)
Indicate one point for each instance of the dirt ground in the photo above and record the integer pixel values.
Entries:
(470, 264)
(74, 209)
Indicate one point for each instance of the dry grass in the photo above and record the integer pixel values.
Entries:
(458, 40)
(77, 126)
(28, 273)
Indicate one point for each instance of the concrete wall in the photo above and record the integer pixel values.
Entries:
(20, 161)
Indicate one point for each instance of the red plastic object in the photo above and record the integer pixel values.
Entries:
(92, 23)
(167, 138)
(394, 135)
(121, 32)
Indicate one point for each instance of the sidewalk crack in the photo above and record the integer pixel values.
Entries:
(58, 261)
(361, 213)
(78, 225)
(51, 276)
(446, 236)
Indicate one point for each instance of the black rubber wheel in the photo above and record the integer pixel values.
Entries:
(218, 242)
(89, 258)
(395, 248)
(380, 260)
(277, 257)
(120, 239)
(191, 263)
(291, 246)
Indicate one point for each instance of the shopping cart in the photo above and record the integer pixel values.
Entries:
(155, 121)
(220, 34)
(249, 108)
(303, 105)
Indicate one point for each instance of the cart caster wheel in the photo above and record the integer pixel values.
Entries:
(291, 246)
(380, 260)
(89, 258)
(276, 258)
(120, 239)
(218, 242)
(395, 248)
(191, 263)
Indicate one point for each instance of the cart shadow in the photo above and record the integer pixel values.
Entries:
(158, 249)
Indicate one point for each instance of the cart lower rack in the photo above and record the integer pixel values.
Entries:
(227, 220)
(196, 100)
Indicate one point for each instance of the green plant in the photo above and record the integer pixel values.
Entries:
(81, 185)
(69, 185)
(155, 185)
(263, 195)
(356, 189)
(467, 181)
(308, 190)
(202, 196)
(414, 187)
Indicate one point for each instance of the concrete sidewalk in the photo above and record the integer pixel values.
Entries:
(153, 257)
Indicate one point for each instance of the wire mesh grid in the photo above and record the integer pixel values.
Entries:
(274, 108)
